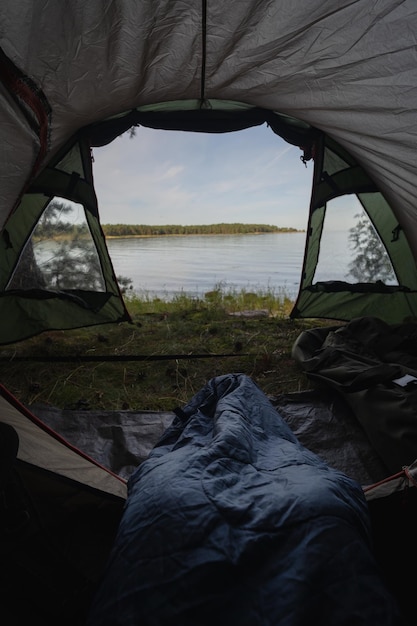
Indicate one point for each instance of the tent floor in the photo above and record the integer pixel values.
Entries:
(55, 540)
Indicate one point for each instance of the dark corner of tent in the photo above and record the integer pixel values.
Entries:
(238, 507)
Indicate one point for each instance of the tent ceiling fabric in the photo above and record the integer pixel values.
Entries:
(347, 67)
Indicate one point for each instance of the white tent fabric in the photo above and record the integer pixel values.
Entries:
(46, 449)
(347, 67)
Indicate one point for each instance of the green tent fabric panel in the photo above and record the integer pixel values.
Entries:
(106, 264)
(23, 317)
(312, 248)
(16, 232)
(350, 180)
(321, 302)
(52, 182)
(69, 175)
(337, 174)
(71, 161)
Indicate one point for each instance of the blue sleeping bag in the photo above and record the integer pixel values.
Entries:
(231, 521)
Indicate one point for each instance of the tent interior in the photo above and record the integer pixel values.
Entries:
(62, 203)
(339, 82)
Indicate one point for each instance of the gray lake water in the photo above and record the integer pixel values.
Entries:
(165, 266)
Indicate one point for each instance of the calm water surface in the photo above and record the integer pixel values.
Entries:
(165, 266)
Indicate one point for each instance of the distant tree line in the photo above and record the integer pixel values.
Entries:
(144, 230)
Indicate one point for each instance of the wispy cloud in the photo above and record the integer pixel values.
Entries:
(172, 171)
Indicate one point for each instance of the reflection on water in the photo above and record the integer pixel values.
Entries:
(163, 266)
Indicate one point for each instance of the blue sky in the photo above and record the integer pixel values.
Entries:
(169, 177)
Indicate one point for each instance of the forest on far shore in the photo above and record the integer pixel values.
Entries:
(145, 230)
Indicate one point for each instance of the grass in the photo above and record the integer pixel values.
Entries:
(184, 342)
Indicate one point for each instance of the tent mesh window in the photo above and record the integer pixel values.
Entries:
(60, 254)
(351, 249)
